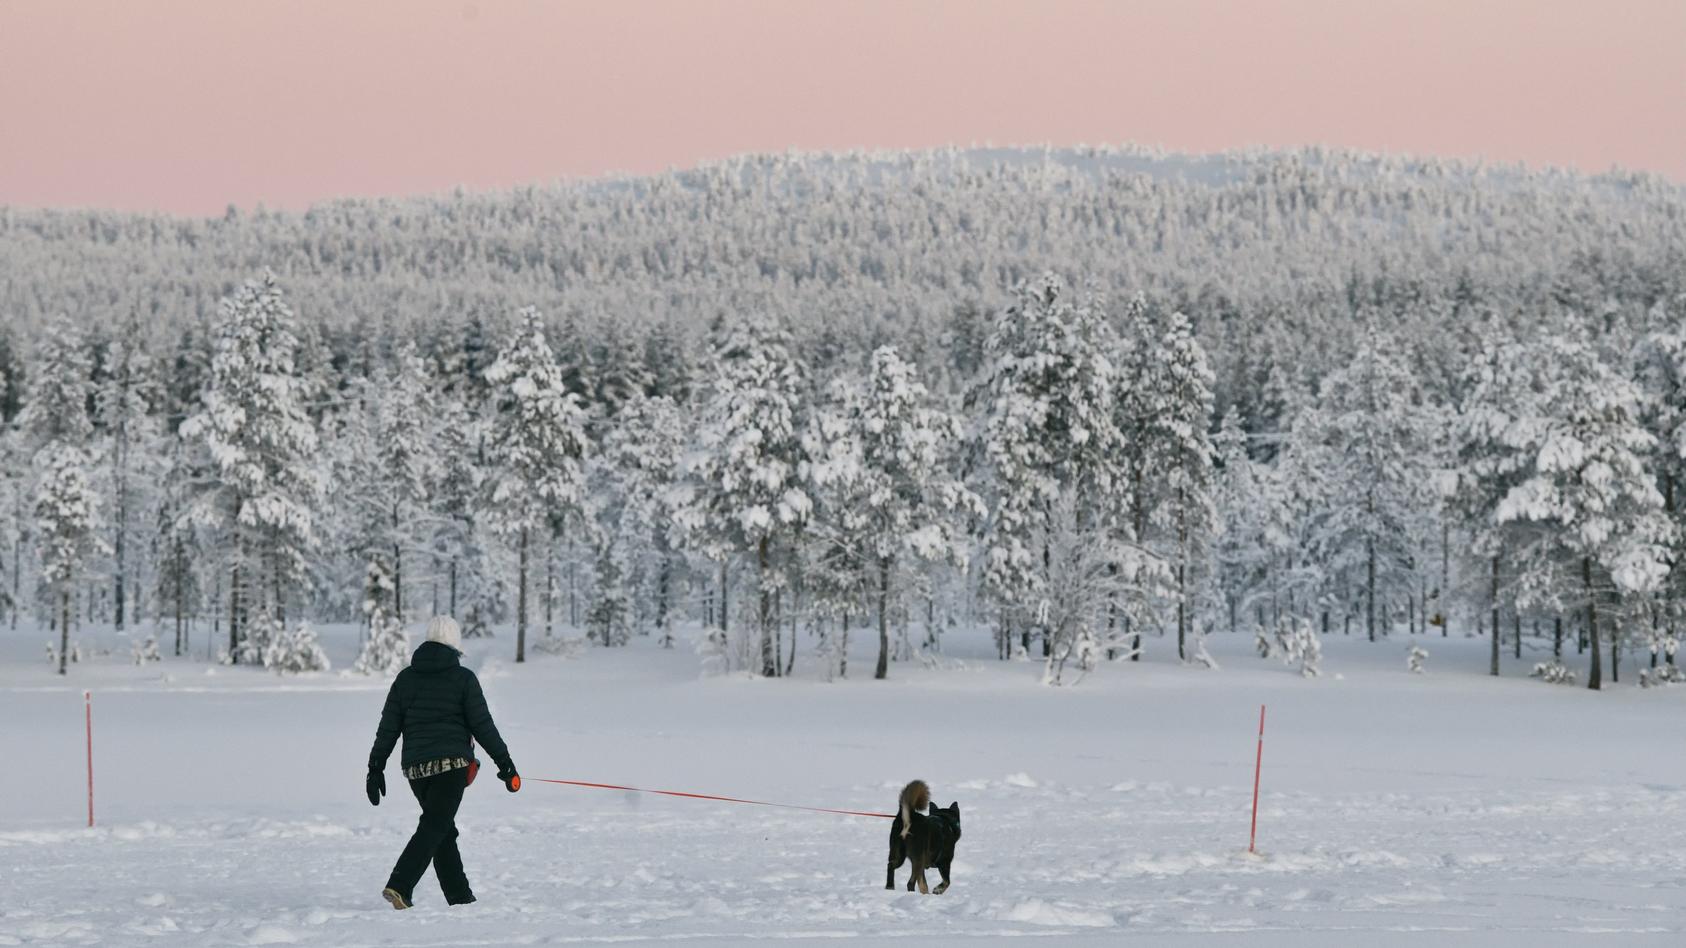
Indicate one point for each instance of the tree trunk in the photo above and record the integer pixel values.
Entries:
(1616, 653)
(724, 612)
(1182, 611)
(1595, 677)
(64, 627)
(1557, 637)
(763, 564)
(180, 593)
(1370, 586)
(883, 669)
(550, 587)
(521, 602)
(1445, 597)
(453, 587)
(790, 663)
(663, 578)
(1493, 666)
(234, 615)
(1516, 629)
(843, 649)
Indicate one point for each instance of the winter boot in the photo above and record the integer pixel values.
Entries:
(395, 897)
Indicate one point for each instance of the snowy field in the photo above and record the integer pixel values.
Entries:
(1438, 809)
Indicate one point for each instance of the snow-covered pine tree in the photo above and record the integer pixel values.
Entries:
(262, 484)
(460, 535)
(55, 421)
(1498, 432)
(128, 428)
(1181, 409)
(633, 494)
(1242, 548)
(745, 490)
(1047, 439)
(406, 459)
(535, 449)
(66, 525)
(1588, 489)
(387, 649)
(1662, 373)
(1369, 433)
(886, 497)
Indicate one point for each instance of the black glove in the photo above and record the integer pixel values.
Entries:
(511, 779)
(376, 785)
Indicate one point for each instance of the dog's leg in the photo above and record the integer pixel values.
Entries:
(919, 875)
(913, 876)
(898, 855)
(942, 887)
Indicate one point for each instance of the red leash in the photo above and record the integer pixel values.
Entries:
(710, 796)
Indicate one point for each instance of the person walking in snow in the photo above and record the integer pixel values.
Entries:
(437, 706)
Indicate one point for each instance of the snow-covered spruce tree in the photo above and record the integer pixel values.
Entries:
(387, 649)
(745, 489)
(1181, 409)
(66, 526)
(405, 412)
(535, 449)
(1662, 374)
(128, 428)
(1588, 488)
(1370, 434)
(1243, 546)
(633, 493)
(885, 496)
(1047, 442)
(263, 483)
(56, 425)
(460, 528)
(1498, 433)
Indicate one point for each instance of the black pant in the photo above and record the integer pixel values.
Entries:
(435, 839)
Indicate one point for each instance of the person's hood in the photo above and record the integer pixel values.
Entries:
(435, 657)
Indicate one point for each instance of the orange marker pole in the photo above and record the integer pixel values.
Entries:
(1258, 764)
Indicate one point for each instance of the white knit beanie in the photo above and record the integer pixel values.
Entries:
(444, 629)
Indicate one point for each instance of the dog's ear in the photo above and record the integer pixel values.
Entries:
(955, 808)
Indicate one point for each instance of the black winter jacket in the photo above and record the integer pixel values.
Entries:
(437, 705)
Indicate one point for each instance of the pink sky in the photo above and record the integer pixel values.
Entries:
(190, 106)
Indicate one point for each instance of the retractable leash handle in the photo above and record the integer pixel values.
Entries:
(514, 783)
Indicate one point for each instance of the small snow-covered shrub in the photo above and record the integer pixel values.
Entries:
(1661, 675)
(387, 649)
(1414, 658)
(146, 650)
(295, 651)
(711, 648)
(1553, 672)
(1261, 641)
(1199, 655)
(559, 645)
(1300, 644)
(259, 633)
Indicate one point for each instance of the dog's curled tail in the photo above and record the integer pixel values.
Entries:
(915, 796)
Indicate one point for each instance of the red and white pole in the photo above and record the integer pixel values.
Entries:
(88, 718)
(1258, 764)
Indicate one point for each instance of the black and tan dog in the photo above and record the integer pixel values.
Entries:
(926, 838)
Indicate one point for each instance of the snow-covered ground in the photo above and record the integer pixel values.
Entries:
(1446, 808)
